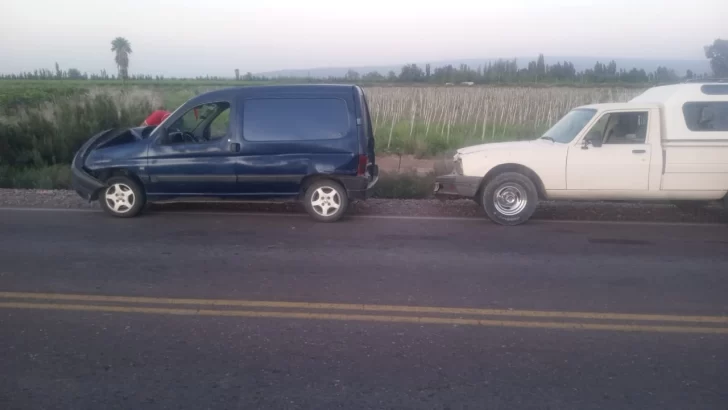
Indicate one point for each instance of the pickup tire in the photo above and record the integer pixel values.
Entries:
(123, 197)
(326, 200)
(510, 198)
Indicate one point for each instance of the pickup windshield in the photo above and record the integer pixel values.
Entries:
(569, 126)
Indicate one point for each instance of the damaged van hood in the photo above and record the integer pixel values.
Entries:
(110, 144)
(119, 136)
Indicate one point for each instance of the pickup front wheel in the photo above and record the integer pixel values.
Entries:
(510, 198)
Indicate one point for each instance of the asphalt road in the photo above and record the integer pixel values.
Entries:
(220, 311)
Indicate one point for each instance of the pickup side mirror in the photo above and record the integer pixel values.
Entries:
(594, 140)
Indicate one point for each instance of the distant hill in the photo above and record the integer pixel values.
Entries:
(580, 63)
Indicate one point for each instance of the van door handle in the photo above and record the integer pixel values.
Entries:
(638, 151)
(235, 147)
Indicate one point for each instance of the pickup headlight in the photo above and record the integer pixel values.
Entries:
(458, 162)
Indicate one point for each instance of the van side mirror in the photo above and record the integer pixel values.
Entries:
(162, 135)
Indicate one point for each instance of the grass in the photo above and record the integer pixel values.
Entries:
(51, 133)
(407, 138)
(431, 120)
(42, 123)
(48, 177)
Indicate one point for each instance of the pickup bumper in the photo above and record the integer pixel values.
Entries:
(454, 185)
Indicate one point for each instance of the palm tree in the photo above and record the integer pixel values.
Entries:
(122, 48)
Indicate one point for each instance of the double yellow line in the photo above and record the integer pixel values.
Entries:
(368, 313)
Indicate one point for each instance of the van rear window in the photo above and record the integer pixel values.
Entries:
(706, 116)
(295, 119)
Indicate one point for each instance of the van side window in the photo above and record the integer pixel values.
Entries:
(706, 116)
(295, 119)
(203, 123)
(622, 128)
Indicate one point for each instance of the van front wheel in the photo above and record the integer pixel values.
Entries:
(510, 198)
(326, 200)
(122, 197)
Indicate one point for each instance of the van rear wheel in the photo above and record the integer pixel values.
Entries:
(326, 200)
(510, 198)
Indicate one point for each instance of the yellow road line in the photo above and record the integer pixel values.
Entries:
(365, 318)
(363, 307)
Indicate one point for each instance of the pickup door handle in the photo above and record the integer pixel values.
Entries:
(638, 151)
(235, 147)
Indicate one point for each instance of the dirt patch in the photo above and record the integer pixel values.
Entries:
(410, 163)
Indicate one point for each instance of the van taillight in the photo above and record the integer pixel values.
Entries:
(362, 168)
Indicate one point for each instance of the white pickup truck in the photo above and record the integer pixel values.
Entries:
(669, 143)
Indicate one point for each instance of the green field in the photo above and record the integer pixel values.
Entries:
(42, 123)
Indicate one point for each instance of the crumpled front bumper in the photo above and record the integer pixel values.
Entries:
(454, 185)
(82, 182)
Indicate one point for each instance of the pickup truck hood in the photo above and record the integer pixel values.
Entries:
(503, 146)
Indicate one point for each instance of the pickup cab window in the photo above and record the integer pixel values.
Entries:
(620, 128)
(569, 126)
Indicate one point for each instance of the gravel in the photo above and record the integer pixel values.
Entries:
(42, 198)
(595, 211)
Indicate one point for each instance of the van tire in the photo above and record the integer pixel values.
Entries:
(129, 191)
(323, 195)
(510, 198)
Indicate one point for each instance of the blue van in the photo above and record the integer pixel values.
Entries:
(309, 142)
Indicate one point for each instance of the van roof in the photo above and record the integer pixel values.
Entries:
(227, 93)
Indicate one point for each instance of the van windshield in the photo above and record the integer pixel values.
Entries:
(569, 126)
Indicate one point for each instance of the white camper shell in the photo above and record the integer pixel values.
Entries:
(669, 143)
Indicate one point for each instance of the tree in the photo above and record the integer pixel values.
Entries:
(58, 71)
(411, 73)
(718, 55)
(122, 48)
(372, 76)
(351, 75)
(74, 74)
(664, 75)
(541, 66)
(237, 74)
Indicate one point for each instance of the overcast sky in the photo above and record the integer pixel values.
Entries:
(191, 37)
